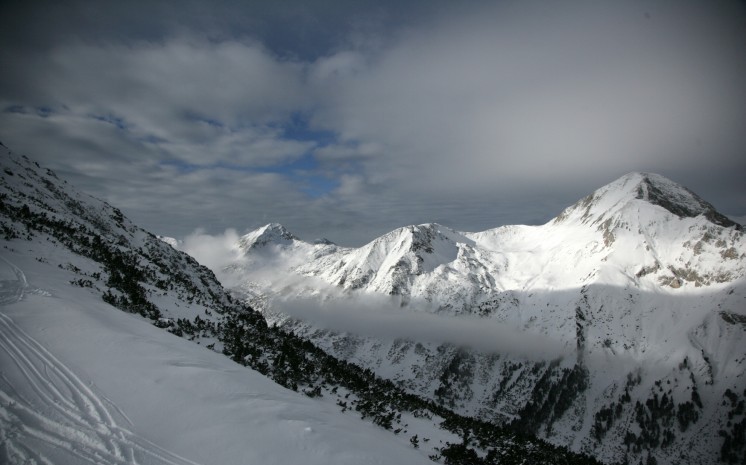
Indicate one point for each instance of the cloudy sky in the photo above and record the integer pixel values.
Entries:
(346, 119)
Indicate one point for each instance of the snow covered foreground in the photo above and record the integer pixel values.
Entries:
(83, 382)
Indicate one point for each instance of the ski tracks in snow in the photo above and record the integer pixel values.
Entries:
(12, 290)
(48, 413)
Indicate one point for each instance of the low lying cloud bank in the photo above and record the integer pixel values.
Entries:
(381, 318)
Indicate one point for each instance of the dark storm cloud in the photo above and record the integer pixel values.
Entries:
(289, 28)
(471, 114)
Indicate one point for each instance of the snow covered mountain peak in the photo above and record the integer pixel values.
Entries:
(679, 200)
(419, 238)
(626, 193)
(389, 263)
(272, 233)
(642, 230)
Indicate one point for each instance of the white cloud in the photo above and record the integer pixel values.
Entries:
(380, 317)
(215, 252)
(525, 94)
(201, 102)
(340, 65)
(227, 80)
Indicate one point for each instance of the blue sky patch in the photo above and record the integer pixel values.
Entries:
(305, 172)
(15, 109)
(298, 128)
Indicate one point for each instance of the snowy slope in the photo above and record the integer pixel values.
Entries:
(83, 382)
(642, 279)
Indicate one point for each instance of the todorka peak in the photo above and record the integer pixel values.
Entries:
(651, 188)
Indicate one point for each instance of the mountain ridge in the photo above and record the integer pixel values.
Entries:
(641, 273)
(649, 187)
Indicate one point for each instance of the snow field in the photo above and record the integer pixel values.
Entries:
(118, 390)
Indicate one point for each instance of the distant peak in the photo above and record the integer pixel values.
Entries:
(651, 188)
(421, 238)
(413, 230)
(269, 233)
(276, 230)
(276, 227)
